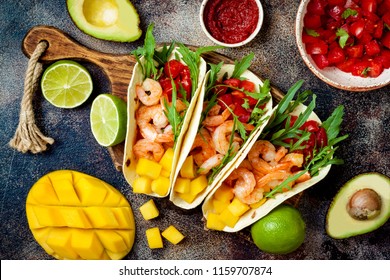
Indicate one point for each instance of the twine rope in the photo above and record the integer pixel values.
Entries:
(28, 137)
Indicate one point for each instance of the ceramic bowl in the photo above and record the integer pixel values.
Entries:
(332, 75)
(239, 44)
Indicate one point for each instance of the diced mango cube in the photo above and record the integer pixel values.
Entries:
(172, 235)
(142, 184)
(228, 218)
(188, 170)
(161, 185)
(219, 205)
(149, 210)
(213, 221)
(154, 238)
(187, 197)
(258, 204)
(112, 240)
(182, 185)
(87, 244)
(237, 208)
(198, 184)
(60, 240)
(74, 217)
(167, 159)
(149, 168)
(224, 193)
(165, 173)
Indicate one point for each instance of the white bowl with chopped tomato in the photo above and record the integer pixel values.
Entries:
(231, 23)
(346, 43)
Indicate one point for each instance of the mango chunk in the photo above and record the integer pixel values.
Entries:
(182, 185)
(187, 197)
(188, 170)
(165, 173)
(219, 205)
(258, 204)
(149, 168)
(149, 210)
(198, 184)
(173, 235)
(228, 218)
(167, 160)
(224, 193)
(213, 222)
(160, 186)
(237, 208)
(154, 239)
(81, 217)
(143, 185)
(86, 244)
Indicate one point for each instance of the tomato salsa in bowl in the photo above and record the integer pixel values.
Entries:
(231, 23)
(346, 43)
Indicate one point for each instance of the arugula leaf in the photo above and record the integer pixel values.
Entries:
(311, 32)
(284, 184)
(147, 51)
(332, 124)
(161, 57)
(343, 34)
(242, 65)
(349, 12)
(213, 75)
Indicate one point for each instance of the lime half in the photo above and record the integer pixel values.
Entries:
(108, 119)
(66, 84)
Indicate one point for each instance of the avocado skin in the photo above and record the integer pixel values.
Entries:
(116, 33)
(339, 224)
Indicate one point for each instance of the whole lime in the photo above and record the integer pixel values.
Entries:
(282, 231)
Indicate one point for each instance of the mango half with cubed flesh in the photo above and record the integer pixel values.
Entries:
(112, 20)
(76, 216)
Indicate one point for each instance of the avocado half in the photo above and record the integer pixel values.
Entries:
(112, 20)
(369, 190)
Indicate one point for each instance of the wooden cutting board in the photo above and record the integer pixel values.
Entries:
(117, 68)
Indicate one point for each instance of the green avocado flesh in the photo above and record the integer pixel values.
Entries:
(340, 224)
(112, 20)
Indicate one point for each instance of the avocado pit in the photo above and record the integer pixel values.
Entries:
(365, 204)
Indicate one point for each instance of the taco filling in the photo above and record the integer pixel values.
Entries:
(292, 149)
(233, 108)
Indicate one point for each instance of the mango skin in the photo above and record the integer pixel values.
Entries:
(76, 216)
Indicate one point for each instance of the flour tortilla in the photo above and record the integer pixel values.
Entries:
(129, 159)
(192, 131)
(254, 215)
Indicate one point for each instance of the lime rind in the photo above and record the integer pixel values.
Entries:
(66, 84)
(108, 120)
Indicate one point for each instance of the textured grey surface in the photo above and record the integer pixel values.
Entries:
(366, 121)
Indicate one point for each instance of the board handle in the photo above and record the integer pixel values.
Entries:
(118, 68)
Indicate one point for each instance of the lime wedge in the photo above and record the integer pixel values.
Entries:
(108, 119)
(66, 84)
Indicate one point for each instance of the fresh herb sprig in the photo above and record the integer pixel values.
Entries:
(322, 156)
(241, 66)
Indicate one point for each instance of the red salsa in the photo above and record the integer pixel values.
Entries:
(231, 21)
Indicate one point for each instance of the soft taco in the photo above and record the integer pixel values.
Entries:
(294, 152)
(232, 109)
(162, 95)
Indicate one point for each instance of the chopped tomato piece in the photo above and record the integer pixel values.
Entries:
(337, 2)
(347, 65)
(312, 21)
(247, 85)
(316, 7)
(317, 48)
(357, 28)
(369, 5)
(336, 12)
(321, 138)
(233, 82)
(336, 55)
(306, 38)
(310, 126)
(375, 69)
(225, 100)
(321, 60)
(354, 51)
(243, 114)
(378, 31)
(360, 68)
(372, 48)
(173, 68)
(386, 40)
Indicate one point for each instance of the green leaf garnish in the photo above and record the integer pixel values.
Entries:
(241, 66)
(349, 12)
(343, 37)
(311, 32)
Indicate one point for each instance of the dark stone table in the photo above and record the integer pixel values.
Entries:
(276, 57)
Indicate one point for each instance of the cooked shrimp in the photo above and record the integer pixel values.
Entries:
(145, 117)
(255, 196)
(216, 120)
(245, 183)
(203, 148)
(180, 106)
(160, 120)
(304, 177)
(148, 149)
(280, 153)
(150, 92)
(263, 157)
(246, 164)
(273, 179)
(220, 139)
(210, 164)
(293, 159)
(165, 135)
